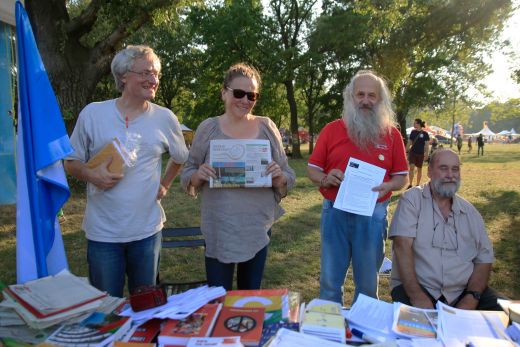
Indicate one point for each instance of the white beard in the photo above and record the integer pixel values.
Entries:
(365, 126)
(445, 189)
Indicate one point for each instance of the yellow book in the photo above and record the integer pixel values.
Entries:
(111, 149)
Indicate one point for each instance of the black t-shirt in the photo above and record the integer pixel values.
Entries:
(418, 146)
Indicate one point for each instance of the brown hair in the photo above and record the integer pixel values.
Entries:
(242, 70)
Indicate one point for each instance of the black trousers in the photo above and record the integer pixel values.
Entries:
(487, 302)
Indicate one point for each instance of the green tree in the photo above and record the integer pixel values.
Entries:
(289, 23)
(77, 41)
(419, 46)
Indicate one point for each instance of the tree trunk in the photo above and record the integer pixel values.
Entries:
(72, 71)
(289, 86)
(401, 122)
(311, 131)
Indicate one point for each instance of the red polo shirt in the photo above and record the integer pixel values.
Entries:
(334, 149)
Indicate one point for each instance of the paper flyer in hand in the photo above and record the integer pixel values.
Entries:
(240, 163)
(355, 193)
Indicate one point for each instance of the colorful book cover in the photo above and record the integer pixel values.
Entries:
(270, 330)
(239, 321)
(98, 329)
(198, 324)
(275, 302)
(147, 331)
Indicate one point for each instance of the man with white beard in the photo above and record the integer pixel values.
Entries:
(441, 251)
(365, 132)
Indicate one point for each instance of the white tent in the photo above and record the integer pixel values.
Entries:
(513, 132)
(185, 128)
(504, 133)
(486, 132)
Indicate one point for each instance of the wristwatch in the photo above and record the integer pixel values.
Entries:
(476, 295)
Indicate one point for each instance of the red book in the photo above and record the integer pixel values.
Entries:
(147, 331)
(241, 321)
(198, 324)
(41, 315)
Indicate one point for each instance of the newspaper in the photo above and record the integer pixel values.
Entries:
(240, 163)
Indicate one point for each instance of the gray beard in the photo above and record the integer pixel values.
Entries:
(365, 127)
(445, 189)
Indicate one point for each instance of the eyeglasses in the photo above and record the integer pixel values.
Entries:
(444, 235)
(239, 94)
(147, 74)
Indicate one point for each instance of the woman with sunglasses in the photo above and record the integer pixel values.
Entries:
(236, 222)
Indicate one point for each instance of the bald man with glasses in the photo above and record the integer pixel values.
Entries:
(441, 251)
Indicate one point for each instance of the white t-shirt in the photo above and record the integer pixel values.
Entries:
(129, 211)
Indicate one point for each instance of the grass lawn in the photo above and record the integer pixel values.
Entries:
(491, 183)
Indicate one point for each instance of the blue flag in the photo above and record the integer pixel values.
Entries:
(41, 182)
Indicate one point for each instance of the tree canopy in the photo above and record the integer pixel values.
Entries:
(430, 51)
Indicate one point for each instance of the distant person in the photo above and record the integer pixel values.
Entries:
(236, 222)
(459, 143)
(418, 148)
(441, 251)
(470, 144)
(123, 217)
(366, 131)
(480, 145)
(434, 144)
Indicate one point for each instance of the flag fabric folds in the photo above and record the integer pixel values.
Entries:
(41, 182)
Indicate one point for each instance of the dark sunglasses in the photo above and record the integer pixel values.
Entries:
(239, 94)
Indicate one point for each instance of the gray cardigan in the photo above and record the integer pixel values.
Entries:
(235, 221)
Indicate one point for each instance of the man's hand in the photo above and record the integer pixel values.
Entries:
(383, 189)
(333, 178)
(102, 178)
(396, 182)
(468, 302)
(161, 193)
(421, 300)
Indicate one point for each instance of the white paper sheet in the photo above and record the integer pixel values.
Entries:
(355, 193)
(373, 316)
(457, 324)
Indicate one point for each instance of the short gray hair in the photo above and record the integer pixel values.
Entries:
(437, 152)
(124, 59)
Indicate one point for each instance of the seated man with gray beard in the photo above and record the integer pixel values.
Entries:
(441, 251)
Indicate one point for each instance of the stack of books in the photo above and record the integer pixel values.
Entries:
(53, 300)
(323, 318)
(34, 311)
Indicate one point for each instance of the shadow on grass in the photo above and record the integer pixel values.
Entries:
(493, 158)
(504, 205)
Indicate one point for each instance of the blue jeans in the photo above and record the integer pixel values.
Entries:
(344, 237)
(109, 262)
(249, 273)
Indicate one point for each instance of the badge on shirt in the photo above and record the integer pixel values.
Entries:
(381, 157)
(421, 136)
(381, 146)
